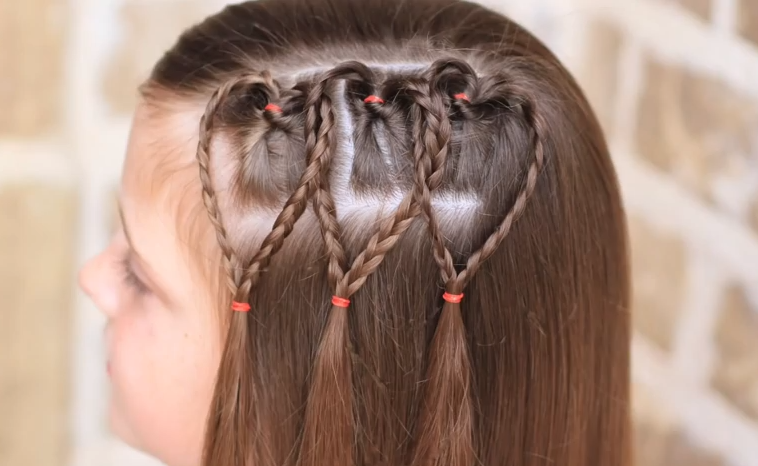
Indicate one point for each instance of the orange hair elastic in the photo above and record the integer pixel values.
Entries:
(273, 108)
(453, 298)
(340, 302)
(462, 96)
(372, 99)
(240, 307)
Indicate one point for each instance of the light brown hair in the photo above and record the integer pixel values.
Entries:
(479, 170)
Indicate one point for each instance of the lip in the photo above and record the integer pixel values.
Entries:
(107, 347)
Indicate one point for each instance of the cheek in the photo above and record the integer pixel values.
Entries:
(162, 374)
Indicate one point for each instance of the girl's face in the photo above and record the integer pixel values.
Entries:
(162, 334)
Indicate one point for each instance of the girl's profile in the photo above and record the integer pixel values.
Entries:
(366, 232)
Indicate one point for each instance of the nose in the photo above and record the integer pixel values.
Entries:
(97, 280)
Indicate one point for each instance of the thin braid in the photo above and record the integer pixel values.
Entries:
(493, 242)
(320, 125)
(445, 427)
(215, 103)
(318, 153)
(432, 125)
(233, 402)
(323, 203)
(440, 75)
(389, 233)
(293, 209)
(447, 419)
(328, 428)
(379, 245)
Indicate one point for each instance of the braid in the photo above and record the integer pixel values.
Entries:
(323, 203)
(291, 212)
(328, 433)
(447, 416)
(215, 103)
(432, 126)
(445, 436)
(227, 420)
(388, 234)
(493, 242)
(446, 422)
(234, 402)
(379, 245)
(328, 426)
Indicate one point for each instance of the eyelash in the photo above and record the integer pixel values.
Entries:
(130, 278)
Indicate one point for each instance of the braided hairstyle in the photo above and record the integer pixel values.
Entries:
(364, 165)
(231, 422)
(446, 430)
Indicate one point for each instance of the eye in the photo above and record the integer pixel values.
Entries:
(130, 278)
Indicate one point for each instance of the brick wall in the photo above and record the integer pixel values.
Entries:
(674, 82)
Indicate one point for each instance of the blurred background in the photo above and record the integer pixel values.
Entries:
(675, 83)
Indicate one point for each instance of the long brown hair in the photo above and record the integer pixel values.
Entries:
(434, 165)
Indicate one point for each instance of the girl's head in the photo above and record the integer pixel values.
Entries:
(366, 232)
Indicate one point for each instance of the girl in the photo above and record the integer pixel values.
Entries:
(375, 232)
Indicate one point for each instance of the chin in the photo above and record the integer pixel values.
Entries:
(145, 435)
(121, 430)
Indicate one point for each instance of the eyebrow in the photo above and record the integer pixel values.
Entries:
(153, 283)
(124, 227)
(126, 233)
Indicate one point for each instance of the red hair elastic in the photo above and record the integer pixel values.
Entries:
(273, 108)
(340, 302)
(373, 99)
(453, 298)
(462, 96)
(240, 307)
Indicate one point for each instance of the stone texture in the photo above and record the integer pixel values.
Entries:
(149, 29)
(599, 73)
(32, 54)
(748, 20)
(648, 409)
(736, 374)
(37, 227)
(658, 437)
(659, 274)
(696, 128)
(701, 8)
(656, 447)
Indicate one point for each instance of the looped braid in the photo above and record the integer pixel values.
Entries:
(328, 426)
(391, 229)
(215, 104)
(386, 237)
(431, 125)
(445, 436)
(538, 126)
(447, 418)
(445, 427)
(231, 402)
(320, 138)
(318, 154)
(231, 419)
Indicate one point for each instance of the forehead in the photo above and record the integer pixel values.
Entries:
(161, 144)
(160, 186)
